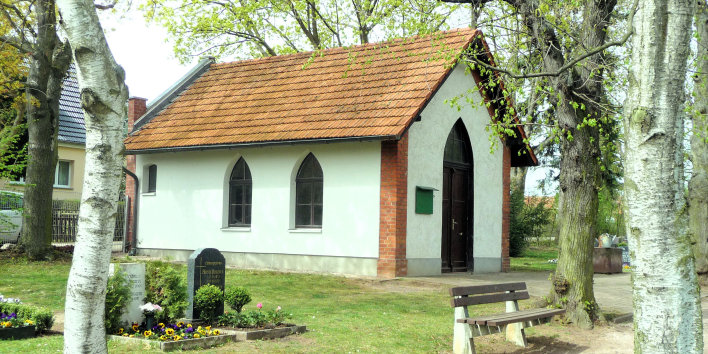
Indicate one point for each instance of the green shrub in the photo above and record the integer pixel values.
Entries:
(237, 298)
(525, 221)
(42, 318)
(207, 300)
(117, 297)
(251, 319)
(165, 286)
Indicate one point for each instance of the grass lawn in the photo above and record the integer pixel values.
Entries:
(342, 314)
(535, 259)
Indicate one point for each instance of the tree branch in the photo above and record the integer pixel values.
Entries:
(563, 68)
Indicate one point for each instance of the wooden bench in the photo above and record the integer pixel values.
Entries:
(513, 321)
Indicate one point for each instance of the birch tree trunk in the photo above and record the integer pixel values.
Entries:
(698, 185)
(103, 98)
(667, 309)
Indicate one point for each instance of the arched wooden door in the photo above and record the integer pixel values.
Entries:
(457, 240)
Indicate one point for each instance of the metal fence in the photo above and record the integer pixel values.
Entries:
(65, 220)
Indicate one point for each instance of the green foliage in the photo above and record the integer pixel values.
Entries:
(43, 318)
(237, 298)
(254, 318)
(610, 218)
(525, 221)
(117, 296)
(269, 27)
(208, 299)
(165, 286)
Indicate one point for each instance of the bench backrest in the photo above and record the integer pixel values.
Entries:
(487, 294)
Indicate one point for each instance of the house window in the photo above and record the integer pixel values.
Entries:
(151, 183)
(240, 187)
(62, 174)
(308, 194)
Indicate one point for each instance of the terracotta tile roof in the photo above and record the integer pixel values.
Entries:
(373, 90)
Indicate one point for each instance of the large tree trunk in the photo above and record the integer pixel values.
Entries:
(698, 185)
(103, 98)
(667, 308)
(50, 61)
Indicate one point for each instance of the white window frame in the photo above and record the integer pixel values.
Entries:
(56, 175)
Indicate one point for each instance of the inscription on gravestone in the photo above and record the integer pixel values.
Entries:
(205, 266)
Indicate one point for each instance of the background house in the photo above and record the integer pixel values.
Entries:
(69, 173)
(350, 162)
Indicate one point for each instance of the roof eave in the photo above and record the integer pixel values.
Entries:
(260, 143)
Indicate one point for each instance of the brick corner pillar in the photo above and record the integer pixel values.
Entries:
(136, 108)
(506, 208)
(393, 209)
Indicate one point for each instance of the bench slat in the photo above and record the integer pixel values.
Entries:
(482, 320)
(512, 317)
(484, 289)
(529, 317)
(488, 299)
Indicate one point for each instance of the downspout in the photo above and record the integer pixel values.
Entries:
(136, 195)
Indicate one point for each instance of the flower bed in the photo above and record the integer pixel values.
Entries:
(173, 336)
(14, 327)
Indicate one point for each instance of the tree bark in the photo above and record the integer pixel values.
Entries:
(518, 179)
(575, 90)
(50, 61)
(103, 98)
(667, 309)
(698, 185)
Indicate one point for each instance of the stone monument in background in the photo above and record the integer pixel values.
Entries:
(135, 275)
(205, 266)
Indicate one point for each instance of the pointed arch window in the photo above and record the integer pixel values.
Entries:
(308, 193)
(457, 147)
(240, 186)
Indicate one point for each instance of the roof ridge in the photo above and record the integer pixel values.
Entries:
(322, 52)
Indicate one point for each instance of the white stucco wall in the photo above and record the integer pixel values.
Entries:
(425, 168)
(187, 211)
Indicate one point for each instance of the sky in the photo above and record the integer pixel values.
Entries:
(148, 61)
(151, 67)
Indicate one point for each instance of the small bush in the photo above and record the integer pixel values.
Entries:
(165, 286)
(42, 318)
(207, 300)
(117, 297)
(525, 221)
(252, 319)
(237, 298)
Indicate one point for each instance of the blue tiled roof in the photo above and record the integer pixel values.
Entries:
(71, 116)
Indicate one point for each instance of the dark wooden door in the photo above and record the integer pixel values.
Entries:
(455, 213)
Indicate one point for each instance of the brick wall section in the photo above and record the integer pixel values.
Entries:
(506, 206)
(393, 209)
(136, 108)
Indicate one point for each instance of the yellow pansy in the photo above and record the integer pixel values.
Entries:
(196, 335)
(169, 331)
(147, 333)
(216, 332)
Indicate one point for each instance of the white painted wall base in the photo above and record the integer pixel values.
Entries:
(423, 266)
(281, 262)
(487, 265)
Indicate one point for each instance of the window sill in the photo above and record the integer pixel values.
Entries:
(17, 183)
(147, 194)
(305, 231)
(62, 187)
(236, 229)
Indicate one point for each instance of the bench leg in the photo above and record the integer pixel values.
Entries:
(462, 342)
(515, 331)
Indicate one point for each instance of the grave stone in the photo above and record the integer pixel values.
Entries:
(625, 256)
(135, 274)
(205, 266)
